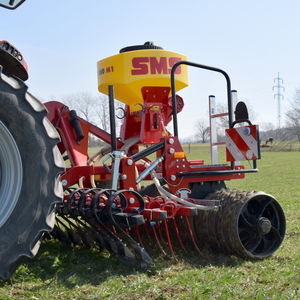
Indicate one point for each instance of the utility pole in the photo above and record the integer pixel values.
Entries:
(278, 89)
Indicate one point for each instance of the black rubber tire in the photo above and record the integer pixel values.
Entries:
(151, 190)
(221, 230)
(25, 118)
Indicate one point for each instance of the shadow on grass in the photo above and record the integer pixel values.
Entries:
(71, 266)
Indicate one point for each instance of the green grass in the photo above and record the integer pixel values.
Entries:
(61, 272)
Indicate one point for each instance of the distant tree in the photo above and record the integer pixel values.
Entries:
(202, 131)
(293, 115)
(279, 134)
(94, 109)
(102, 112)
(84, 104)
(266, 126)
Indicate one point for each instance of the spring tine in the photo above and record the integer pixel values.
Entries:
(59, 234)
(90, 216)
(102, 238)
(169, 239)
(161, 237)
(109, 239)
(91, 234)
(115, 231)
(157, 241)
(87, 239)
(68, 220)
(145, 234)
(60, 223)
(140, 253)
(79, 232)
(188, 225)
(112, 242)
(73, 236)
(178, 234)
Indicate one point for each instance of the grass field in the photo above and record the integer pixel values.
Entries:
(61, 272)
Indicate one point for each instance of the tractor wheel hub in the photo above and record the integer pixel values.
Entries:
(264, 225)
(11, 173)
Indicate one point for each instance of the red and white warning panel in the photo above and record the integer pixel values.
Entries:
(242, 143)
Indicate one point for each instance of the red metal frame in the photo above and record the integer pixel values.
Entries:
(148, 127)
(108, 196)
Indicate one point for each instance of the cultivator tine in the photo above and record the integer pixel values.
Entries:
(167, 232)
(190, 231)
(161, 237)
(172, 210)
(60, 235)
(149, 236)
(112, 243)
(92, 234)
(82, 231)
(157, 240)
(169, 239)
(159, 231)
(78, 206)
(165, 229)
(72, 234)
(96, 216)
(143, 257)
(178, 234)
(104, 218)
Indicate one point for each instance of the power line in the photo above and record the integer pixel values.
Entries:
(278, 88)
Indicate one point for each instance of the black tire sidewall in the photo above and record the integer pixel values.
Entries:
(25, 225)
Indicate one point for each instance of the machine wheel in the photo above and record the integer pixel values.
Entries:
(30, 164)
(249, 224)
(151, 190)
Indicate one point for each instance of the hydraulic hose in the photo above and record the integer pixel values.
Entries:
(174, 198)
(170, 197)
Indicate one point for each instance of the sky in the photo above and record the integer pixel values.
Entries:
(251, 40)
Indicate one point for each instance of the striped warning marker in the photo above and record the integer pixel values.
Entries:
(242, 143)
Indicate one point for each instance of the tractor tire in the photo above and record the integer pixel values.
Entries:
(30, 164)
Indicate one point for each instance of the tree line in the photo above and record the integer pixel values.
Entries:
(95, 110)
